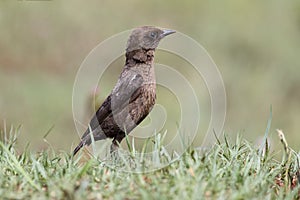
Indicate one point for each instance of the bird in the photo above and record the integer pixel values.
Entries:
(134, 94)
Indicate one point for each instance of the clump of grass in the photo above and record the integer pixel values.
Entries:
(229, 170)
(140, 162)
(289, 178)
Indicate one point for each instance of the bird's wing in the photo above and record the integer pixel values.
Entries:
(126, 90)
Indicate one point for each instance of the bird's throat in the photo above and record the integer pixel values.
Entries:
(140, 56)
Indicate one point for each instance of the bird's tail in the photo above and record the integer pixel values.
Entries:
(79, 146)
(84, 141)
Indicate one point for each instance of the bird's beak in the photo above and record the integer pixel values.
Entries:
(167, 32)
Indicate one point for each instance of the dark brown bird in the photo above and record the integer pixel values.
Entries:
(134, 95)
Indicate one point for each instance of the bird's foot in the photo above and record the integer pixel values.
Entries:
(114, 151)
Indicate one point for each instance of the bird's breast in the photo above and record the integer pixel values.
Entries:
(148, 96)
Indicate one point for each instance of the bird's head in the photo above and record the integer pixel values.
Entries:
(146, 37)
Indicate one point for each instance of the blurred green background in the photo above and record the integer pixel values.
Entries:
(255, 44)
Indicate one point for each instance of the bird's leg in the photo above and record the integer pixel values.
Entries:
(114, 149)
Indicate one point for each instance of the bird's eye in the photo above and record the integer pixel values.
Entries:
(153, 34)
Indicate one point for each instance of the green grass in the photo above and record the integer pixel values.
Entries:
(230, 170)
(42, 45)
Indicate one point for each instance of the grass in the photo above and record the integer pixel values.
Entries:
(230, 170)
